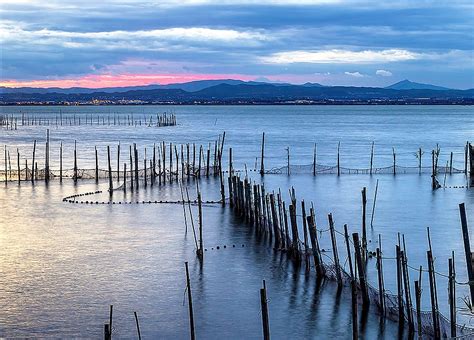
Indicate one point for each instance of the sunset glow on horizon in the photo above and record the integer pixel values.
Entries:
(120, 80)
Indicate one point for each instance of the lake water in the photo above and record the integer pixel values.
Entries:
(63, 264)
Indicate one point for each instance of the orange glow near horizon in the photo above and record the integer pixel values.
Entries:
(120, 80)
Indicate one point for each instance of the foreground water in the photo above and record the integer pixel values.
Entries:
(63, 264)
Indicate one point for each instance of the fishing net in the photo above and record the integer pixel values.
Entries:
(333, 169)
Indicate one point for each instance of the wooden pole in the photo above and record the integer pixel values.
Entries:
(136, 165)
(373, 205)
(394, 161)
(318, 262)
(96, 166)
(361, 271)
(355, 325)
(433, 289)
(275, 221)
(125, 176)
(467, 249)
(364, 223)
(338, 159)
(305, 233)
(207, 162)
(452, 296)
(434, 302)
(75, 162)
(401, 317)
(420, 154)
(466, 157)
(314, 160)
(110, 322)
(190, 302)
(371, 158)
(138, 326)
(294, 232)
(200, 251)
(418, 305)
(406, 286)
(471, 164)
(110, 171)
(334, 250)
(288, 159)
(18, 165)
(262, 164)
(131, 168)
(264, 306)
(32, 164)
(60, 163)
(451, 163)
(106, 332)
(46, 170)
(380, 277)
(118, 163)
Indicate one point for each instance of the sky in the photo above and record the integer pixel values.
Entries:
(109, 43)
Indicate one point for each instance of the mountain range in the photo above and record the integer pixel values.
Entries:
(231, 91)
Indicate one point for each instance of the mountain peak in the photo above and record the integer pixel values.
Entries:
(410, 85)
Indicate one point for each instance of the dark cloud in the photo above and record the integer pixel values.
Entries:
(238, 37)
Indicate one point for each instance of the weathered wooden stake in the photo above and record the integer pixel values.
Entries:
(138, 326)
(110, 171)
(338, 159)
(361, 271)
(96, 166)
(467, 249)
(314, 160)
(262, 164)
(75, 162)
(371, 158)
(118, 163)
(32, 164)
(110, 322)
(401, 317)
(18, 165)
(60, 163)
(394, 161)
(200, 251)
(334, 251)
(264, 306)
(452, 296)
(364, 223)
(318, 262)
(418, 305)
(190, 302)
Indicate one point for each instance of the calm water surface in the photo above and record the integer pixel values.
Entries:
(62, 264)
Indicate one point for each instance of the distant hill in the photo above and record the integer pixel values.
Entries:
(191, 86)
(410, 85)
(239, 92)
